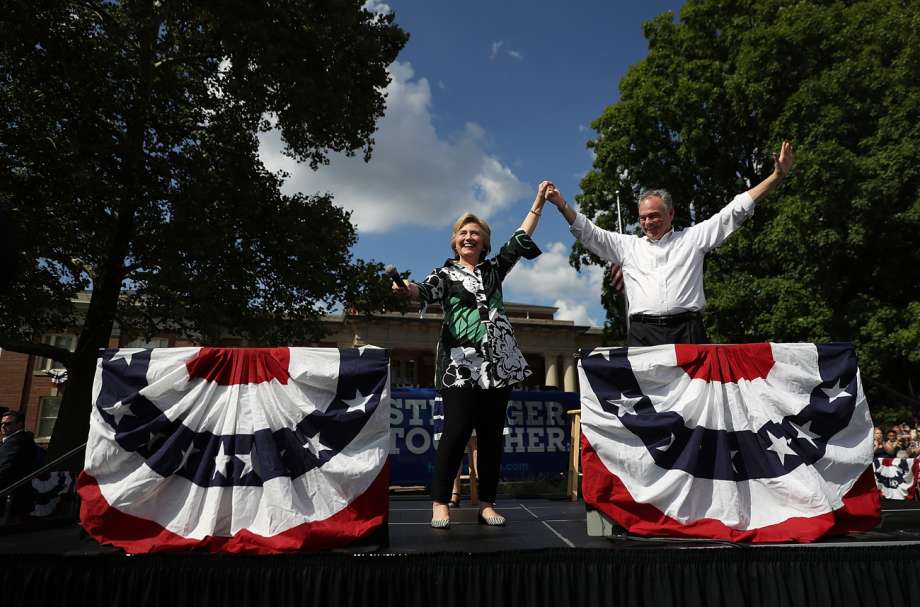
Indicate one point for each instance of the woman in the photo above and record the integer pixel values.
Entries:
(478, 359)
(878, 440)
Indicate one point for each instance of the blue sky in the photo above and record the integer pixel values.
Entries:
(487, 99)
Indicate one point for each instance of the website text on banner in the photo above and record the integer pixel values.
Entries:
(537, 438)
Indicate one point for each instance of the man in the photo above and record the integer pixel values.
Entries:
(17, 459)
(663, 272)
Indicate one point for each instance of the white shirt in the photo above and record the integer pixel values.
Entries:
(665, 276)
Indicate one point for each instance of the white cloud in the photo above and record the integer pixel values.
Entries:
(569, 310)
(377, 7)
(551, 278)
(415, 175)
(495, 48)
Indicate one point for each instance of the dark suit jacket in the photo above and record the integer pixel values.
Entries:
(17, 459)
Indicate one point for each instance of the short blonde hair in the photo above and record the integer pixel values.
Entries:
(486, 233)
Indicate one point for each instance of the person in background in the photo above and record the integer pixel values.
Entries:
(892, 445)
(17, 460)
(878, 440)
(903, 431)
(913, 443)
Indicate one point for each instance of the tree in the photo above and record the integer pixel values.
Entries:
(833, 254)
(129, 154)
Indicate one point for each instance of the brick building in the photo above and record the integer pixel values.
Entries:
(27, 383)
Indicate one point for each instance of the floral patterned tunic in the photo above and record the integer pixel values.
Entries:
(477, 347)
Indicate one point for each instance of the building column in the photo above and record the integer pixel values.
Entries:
(552, 375)
(570, 373)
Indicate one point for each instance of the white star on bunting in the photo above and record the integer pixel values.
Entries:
(118, 411)
(804, 431)
(246, 458)
(187, 453)
(780, 446)
(221, 461)
(309, 446)
(359, 402)
(126, 354)
(835, 392)
(626, 405)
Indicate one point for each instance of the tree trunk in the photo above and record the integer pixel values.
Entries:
(72, 426)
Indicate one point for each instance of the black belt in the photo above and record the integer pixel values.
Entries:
(665, 321)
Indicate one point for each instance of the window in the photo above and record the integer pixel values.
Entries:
(403, 373)
(154, 342)
(48, 407)
(68, 342)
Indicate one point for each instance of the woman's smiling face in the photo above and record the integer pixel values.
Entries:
(468, 243)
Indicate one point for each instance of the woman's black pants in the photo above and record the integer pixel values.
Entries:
(466, 409)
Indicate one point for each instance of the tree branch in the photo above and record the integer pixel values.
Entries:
(182, 58)
(37, 349)
(76, 266)
(107, 19)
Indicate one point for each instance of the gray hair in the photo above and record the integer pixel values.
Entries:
(660, 193)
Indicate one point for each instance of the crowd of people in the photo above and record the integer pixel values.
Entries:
(901, 440)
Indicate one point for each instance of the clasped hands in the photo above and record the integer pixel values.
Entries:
(547, 190)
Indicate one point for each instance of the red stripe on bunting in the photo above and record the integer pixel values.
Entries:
(725, 363)
(109, 525)
(914, 469)
(604, 491)
(231, 366)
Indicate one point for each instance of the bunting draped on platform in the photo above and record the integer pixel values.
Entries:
(759, 442)
(237, 450)
(896, 477)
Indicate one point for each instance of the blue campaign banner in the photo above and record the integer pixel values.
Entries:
(537, 439)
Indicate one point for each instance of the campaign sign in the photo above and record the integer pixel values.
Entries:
(537, 436)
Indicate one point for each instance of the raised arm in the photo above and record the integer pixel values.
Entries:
(782, 164)
(536, 209)
(555, 197)
(605, 244)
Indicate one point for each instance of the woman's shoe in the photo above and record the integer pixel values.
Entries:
(440, 523)
(496, 520)
(454, 502)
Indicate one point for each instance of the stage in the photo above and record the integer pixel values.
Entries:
(542, 557)
(535, 524)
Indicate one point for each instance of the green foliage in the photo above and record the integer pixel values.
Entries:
(129, 163)
(832, 256)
